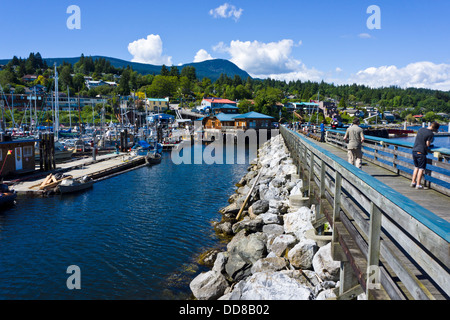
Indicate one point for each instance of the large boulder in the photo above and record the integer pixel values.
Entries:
(298, 222)
(273, 229)
(232, 208)
(324, 265)
(282, 244)
(248, 224)
(327, 294)
(259, 207)
(208, 285)
(269, 265)
(270, 218)
(242, 253)
(270, 286)
(301, 255)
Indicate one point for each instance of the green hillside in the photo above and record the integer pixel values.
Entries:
(206, 69)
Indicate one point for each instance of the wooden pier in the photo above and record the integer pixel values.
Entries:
(392, 240)
(103, 167)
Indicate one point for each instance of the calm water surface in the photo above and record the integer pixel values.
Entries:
(134, 236)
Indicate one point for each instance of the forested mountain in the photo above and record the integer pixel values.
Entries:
(207, 69)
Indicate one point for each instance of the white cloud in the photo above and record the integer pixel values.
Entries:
(226, 11)
(149, 50)
(269, 60)
(301, 73)
(275, 60)
(202, 55)
(364, 36)
(261, 58)
(419, 75)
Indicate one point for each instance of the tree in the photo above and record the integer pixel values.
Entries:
(65, 77)
(266, 99)
(342, 105)
(410, 118)
(162, 87)
(78, 82)
(429, 116)
(164, 71)
(174, 72)
(7, 77)
(185, 86)
(244, 106)
(124, 83)
(189, 72)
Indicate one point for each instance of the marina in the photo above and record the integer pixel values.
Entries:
(126, 234)
(228, 161)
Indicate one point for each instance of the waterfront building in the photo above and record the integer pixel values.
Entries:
(219, 121)
(157, 105)
(249, 120)
(253, 120)
(17, 156)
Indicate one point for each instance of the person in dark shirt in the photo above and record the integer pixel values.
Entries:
(423, 141)
(322, 131)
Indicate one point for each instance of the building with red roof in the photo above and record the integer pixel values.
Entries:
(216, 105)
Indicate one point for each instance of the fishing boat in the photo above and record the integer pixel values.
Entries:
(75, 185)
(7, 196)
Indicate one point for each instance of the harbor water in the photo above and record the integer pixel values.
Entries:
(133, 236)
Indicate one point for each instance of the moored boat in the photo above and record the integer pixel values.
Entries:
(7, 196)
(75, 185)
(153, 158)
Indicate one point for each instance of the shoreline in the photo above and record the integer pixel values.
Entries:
(274, 252)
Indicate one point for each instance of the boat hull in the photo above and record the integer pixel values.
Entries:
(75, 188)
(153, 158)
(7, 198)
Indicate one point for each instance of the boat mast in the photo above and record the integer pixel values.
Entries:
(56, 123)
(68, 100)
(35, 109)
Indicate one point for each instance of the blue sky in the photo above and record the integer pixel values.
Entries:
(283, 39)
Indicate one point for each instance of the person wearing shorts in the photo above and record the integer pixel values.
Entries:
(422, 142)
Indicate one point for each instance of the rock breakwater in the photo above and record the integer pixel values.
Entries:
(271, 255)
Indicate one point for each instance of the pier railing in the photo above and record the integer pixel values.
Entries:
(389, 246)
(396, 156)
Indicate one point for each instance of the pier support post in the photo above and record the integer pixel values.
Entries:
(41, 151)
(349, 287)
(373, 255)
(319, 211)
(336, 250)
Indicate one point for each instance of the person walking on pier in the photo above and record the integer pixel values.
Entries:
(355, 137)
(423, 141)
(322, 131)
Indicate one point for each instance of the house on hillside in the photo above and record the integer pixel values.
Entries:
(217, 105)
(94, 84)
(157, 105)
(29, 78)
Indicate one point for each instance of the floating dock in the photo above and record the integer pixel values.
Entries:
(105, 166)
